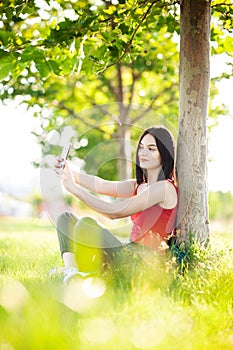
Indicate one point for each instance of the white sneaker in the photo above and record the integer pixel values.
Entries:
(71, 272)
(57, 272)
(67, 273)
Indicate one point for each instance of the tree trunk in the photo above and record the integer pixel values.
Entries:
(124, 157)
(123, 133)
(192, 218)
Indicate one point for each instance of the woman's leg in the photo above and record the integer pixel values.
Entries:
(65, 231)
(93, 243)
(84, 244)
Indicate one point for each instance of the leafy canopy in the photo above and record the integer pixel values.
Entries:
(69, 55)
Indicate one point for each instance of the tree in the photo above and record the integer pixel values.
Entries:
(195, 18)
(194, 90)
(39, 43)
(71, 56)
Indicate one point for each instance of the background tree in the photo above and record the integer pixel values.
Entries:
(128, 83)
(53, 49)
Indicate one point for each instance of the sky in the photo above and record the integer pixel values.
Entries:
(220, 147)
(18, 149)
(220, 166)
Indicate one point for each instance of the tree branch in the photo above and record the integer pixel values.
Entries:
(153, 101)
(131, 39)
(76, 116)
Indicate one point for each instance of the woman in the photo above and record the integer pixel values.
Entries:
(150, 200)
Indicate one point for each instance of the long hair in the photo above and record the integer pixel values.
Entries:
(166, 148)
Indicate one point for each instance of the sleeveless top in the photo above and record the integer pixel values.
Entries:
(153, 225)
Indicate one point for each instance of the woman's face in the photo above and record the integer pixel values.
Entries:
(148, 153)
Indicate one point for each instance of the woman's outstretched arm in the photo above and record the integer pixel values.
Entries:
(159, 192)
(123, 189)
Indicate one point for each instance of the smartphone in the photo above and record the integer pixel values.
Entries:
(65, 153)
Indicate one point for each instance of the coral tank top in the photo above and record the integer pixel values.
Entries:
(154, 225)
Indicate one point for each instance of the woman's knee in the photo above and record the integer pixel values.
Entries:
(88, 221)
(86, 224)
(89, 232)
(66, 217)
(65, 224)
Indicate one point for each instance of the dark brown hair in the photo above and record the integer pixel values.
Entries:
(166, 148)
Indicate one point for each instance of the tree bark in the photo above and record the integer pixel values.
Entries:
(124, 164)
(192, 218)
(124, 135)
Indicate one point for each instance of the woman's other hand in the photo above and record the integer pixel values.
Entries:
(67, 177)
(62, 169)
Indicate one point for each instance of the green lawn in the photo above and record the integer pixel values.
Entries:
(154, 305)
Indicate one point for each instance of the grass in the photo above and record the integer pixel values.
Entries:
(153, 305)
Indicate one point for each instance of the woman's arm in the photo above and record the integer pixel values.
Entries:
(156, 193)
(123, 189)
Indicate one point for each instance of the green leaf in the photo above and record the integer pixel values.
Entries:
(28, 9)
(4, 37)
(7, 64)
(19, 67)
(114, 51)
(124, 28)
(43, 68)
(110, 10)
(101, 51)
(228, 44)
(87, 66)
(31, 54)
(54, 67)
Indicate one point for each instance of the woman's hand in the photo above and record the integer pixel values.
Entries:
(67, 178)
(62, 169)
(59, 165)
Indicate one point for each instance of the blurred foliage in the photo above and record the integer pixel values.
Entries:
(220, 205)
(36, 201)
(39, 207)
